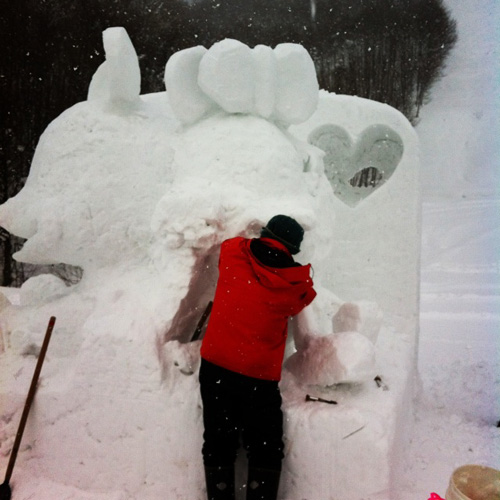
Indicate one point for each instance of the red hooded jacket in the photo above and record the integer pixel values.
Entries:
(248, 325)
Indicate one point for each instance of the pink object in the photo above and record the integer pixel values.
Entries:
(435, 496)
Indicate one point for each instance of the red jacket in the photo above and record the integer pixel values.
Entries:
(247, 329)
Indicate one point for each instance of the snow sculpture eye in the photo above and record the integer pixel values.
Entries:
(355, 171)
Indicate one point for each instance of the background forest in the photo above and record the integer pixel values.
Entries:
(388, 51)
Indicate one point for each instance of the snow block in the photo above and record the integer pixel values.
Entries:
(226, 75)
(266, 80)
(351, 450)
(188, 101)
(297, 90)
(42, 288)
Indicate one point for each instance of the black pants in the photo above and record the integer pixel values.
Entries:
(235, 405)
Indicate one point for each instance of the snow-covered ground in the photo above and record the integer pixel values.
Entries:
(458, 407)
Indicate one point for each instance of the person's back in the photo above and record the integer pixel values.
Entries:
(253, 301)
(259, 287)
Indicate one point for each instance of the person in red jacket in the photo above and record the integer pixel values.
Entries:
(259, 287)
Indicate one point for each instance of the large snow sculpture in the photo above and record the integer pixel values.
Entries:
(140, 191)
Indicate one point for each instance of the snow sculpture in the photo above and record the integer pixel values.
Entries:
(140, 191)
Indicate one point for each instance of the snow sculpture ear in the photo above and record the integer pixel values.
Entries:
(277, 84)
(118, 78)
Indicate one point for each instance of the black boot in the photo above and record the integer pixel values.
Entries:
(220, 483)
(263, 484)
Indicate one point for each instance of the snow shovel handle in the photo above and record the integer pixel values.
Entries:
(29, 400)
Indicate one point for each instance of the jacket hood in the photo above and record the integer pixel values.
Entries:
(274, 277)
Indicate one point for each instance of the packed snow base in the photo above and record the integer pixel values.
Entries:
(140, 191)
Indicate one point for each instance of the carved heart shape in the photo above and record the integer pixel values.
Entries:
(355, 172)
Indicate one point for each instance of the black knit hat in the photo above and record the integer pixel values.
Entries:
(286, 230)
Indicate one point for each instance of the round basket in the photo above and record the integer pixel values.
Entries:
(474, 482)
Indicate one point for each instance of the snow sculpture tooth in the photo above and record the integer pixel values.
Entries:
(118, 78)
(265, 80)
(227, 75)
(298, 90)
(188, 101)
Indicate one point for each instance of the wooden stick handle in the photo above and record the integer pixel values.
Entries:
(29, 400)
(201, 322)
